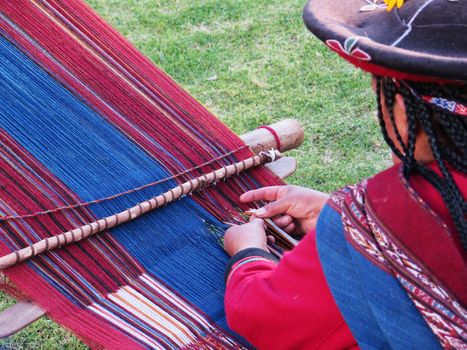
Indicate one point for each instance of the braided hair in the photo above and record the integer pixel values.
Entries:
(447, 135)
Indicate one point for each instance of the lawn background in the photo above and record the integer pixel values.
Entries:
(251, 62)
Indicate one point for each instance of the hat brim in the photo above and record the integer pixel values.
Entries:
(388, 44)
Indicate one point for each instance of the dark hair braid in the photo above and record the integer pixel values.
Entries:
(409, 159)
(389, 97)
(382, 124)
(447, 134)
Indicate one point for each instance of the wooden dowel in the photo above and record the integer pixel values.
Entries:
(283, 168)
(289, 131)
(18, 316)
(132, 213)
(291, 242)
(278, 232)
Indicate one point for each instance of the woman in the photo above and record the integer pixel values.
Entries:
(382, 264)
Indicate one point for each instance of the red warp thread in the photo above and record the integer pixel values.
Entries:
(161, 119)
(274, 134)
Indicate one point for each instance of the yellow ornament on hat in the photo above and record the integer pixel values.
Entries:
(392, 3)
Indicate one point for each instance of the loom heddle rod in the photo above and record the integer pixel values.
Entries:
(136, 211)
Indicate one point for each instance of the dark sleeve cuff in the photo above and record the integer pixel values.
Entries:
(245, 253)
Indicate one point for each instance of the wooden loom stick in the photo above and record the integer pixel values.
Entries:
(287, 241)
(289, 132)
(136, 211)
(283, 167)
(18, 316)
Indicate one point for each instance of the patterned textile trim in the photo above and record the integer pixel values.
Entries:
(357, 228)
(337, 198)
(420, 200)
(247, 253)
(245, 261)
(448, 105)
(443, 313)
(439, 102)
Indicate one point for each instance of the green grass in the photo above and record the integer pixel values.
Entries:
(251, 62)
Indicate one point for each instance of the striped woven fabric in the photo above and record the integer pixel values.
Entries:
(84, 116)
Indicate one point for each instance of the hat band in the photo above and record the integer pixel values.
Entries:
(450, 106)
(440, 102)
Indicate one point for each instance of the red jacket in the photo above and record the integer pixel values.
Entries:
(286, 305)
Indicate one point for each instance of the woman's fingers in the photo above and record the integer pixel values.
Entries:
(259, 223)
(283, 221)
(273, 209)
(262, 194)
(249, 235)
(290, 228)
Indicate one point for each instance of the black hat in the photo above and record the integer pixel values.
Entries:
(423, 40)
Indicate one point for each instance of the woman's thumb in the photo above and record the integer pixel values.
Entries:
(273, 209)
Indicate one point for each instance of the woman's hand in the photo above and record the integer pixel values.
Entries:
(249, 235)
(297, 208)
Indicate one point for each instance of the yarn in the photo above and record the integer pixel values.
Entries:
(84, 116)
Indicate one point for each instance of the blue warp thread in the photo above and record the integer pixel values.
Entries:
(94, 160)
